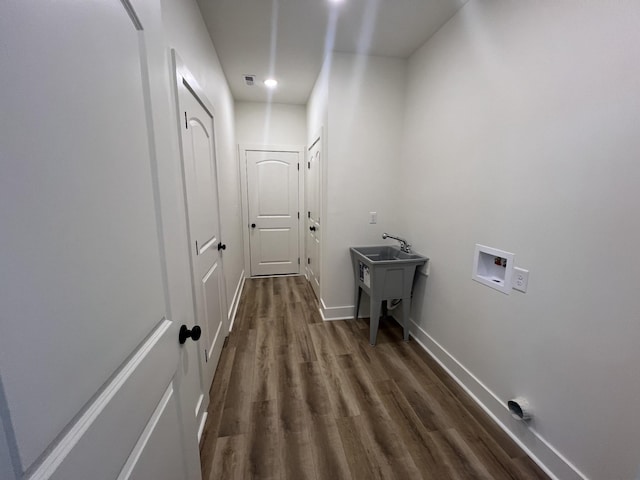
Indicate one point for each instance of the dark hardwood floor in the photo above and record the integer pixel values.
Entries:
(298, 398)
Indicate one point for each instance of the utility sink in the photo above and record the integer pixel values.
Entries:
(384, 273)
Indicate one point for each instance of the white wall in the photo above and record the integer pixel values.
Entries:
(270, 123)
(522, 134)
(186, 33)
(361, 169)
(318, 103)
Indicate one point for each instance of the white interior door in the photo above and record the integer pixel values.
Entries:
(313, 233)
(272, 186)
(90, 385)
(199, 168)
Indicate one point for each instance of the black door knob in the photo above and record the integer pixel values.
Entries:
(312, 228)
(253, 225)
(222, 246)
(185, 333)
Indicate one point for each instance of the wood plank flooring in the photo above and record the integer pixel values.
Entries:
(297, 398)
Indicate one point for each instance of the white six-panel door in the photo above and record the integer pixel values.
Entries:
(273, 211)
(90, 385)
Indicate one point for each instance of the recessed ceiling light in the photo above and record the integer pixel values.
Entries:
(271, 83)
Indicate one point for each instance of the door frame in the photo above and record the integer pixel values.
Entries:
(243, 148)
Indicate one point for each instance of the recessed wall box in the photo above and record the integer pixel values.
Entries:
(493, 268)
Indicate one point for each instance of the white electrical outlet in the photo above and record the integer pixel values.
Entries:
(373, 217)
(520, 279)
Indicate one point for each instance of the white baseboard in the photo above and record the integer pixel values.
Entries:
(540, 450)
(336, 313)
(236, 300)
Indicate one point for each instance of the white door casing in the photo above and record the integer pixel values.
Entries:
(203, 217)
(272, 192)
(312, 203)
(90, 385)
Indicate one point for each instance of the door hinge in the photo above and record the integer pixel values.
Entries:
(309, 214)
(298, 260)
(308, 261)
(298, 165)
(298, 215)
(206, 357)
(186, 125)
(197, 253)
(309, 165)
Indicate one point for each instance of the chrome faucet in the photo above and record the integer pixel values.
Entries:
(404, 245)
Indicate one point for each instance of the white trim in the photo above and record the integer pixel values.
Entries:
(244, 206)
(236, 300)
(138, 450)
(335, 313)
(207, 245)
(202, 424)
(539, 449)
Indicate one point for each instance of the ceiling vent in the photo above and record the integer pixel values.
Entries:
(249, 79)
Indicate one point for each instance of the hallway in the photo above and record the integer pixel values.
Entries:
(298, 398)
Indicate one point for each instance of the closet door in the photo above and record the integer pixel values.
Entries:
(206, 247)
(313, 233)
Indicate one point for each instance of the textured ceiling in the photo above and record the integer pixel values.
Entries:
(288, 39)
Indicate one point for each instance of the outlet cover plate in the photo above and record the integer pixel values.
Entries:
(520, 279)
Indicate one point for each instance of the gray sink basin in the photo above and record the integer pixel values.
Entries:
(384, 272)
(388, 253)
